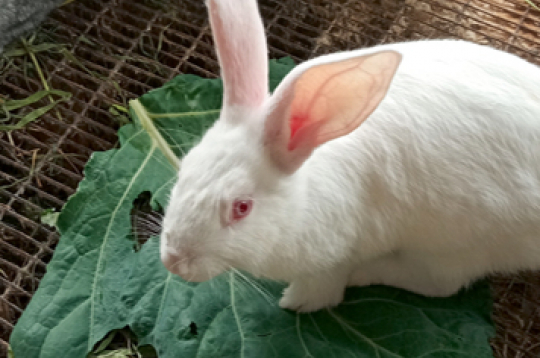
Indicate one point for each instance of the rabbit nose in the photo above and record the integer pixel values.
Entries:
(178, 263)
(170, 260)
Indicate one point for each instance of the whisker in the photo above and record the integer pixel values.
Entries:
(212, 282)
(153, 214)
(262, 291)
(149, 217)
(148, 222)
(145, 234)
(147, 230)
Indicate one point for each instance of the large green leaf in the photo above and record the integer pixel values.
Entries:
(98, 281)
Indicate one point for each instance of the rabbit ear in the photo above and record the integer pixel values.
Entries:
(325, 102)
(241, 48)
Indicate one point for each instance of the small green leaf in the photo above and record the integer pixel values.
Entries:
(119, 115)
(16, 104)
(105, 343)
(120, 108)
(97, 282)
(49, 217)
(86, 40)
(35, 114)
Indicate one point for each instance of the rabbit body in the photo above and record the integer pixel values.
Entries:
(438, 187)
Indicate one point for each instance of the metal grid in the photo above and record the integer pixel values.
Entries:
(124, 48)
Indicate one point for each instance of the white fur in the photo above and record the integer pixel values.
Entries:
(439, 187)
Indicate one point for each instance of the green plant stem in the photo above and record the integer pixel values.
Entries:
(532, 4)
(151, 129)
(182, 114)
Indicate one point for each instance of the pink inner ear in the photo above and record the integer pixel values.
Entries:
(296, 122)
(325, 102)
(331, 100)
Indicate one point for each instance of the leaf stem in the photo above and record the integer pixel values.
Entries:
(151, 129)
(533, 4)
(182, 114)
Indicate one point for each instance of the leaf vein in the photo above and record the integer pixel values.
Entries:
(104, 244)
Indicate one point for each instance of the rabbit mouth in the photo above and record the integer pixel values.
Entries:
(189, 267)
(195, 276)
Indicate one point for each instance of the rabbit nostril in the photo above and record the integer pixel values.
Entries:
(178, 262)
(169, 260)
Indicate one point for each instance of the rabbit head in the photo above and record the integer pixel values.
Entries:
(239, 198)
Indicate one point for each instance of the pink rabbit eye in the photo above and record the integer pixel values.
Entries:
(241, 209)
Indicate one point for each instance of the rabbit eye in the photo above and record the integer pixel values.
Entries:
(241, 209)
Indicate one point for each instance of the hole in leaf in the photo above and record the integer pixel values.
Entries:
(122, 341)
(187, 332)
(193, 328)
(145, 221)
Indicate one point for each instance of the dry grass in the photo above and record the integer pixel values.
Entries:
(516, 314)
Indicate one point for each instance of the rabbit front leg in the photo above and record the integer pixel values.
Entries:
(312, 293)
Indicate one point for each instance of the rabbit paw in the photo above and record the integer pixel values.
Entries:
(308, 298)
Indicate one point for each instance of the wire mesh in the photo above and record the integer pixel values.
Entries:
(109, 51)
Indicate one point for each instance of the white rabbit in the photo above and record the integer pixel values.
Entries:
(415, 165)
